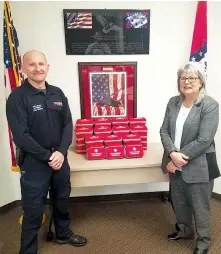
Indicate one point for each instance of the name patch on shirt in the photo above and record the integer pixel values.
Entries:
(58, 103)
(37, 107)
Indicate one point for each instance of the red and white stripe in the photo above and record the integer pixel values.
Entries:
(83, 20)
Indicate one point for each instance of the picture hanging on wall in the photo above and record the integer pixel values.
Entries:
(108, 89)
(106, 32)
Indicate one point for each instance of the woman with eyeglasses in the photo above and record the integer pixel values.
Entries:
(187, 134)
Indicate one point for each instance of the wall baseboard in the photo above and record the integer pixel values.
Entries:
(216, 196)
(119, 197)
(9, 206)
(99, 199)
(163, 196)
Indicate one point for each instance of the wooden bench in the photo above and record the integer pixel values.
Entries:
(88, 173)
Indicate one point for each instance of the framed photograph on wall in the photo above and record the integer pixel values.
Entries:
(108, 89)
(107, 31)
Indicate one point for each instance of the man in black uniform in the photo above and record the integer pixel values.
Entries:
(41, 125)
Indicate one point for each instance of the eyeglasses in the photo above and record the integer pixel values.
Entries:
(190, 79)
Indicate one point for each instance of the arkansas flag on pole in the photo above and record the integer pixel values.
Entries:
(12, 61)
(199, 42)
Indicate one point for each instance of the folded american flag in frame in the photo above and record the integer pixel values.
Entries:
(108, 89)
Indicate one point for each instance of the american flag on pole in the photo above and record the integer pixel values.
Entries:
(12, 60)
(79, 20)
(199, 41)
(108, 93)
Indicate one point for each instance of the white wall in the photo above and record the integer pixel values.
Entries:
(40, 26)
(214, 56)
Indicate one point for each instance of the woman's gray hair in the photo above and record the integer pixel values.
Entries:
(193, 67)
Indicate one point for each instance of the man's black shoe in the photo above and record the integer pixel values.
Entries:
(198, 251)
(175, 237)
(75, 240)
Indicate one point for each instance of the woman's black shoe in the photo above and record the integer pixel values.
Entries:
(175, 237)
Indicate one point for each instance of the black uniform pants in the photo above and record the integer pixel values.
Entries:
(36, 178)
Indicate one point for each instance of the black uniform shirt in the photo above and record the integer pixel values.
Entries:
(39, 120)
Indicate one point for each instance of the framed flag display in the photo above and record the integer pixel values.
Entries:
(106, 31)
(108, 89)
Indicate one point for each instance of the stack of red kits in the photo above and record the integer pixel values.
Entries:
(81, 133)
(84, 123)
(114, 147)
(102, 122)
(132, 139)
(138, 126)
(120, 121)
(95, 147)
(133, 146)
(113, 140)
(141, 130)
(121, 130)
(102, 130)
(80, 145)
(134, 151)
(137, 120)
(115, 152)
(94, 141)
(96, 153)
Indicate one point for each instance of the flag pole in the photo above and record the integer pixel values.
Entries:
(198, 51)
(13, 74)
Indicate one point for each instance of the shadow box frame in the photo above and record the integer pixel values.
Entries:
(126, 72)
